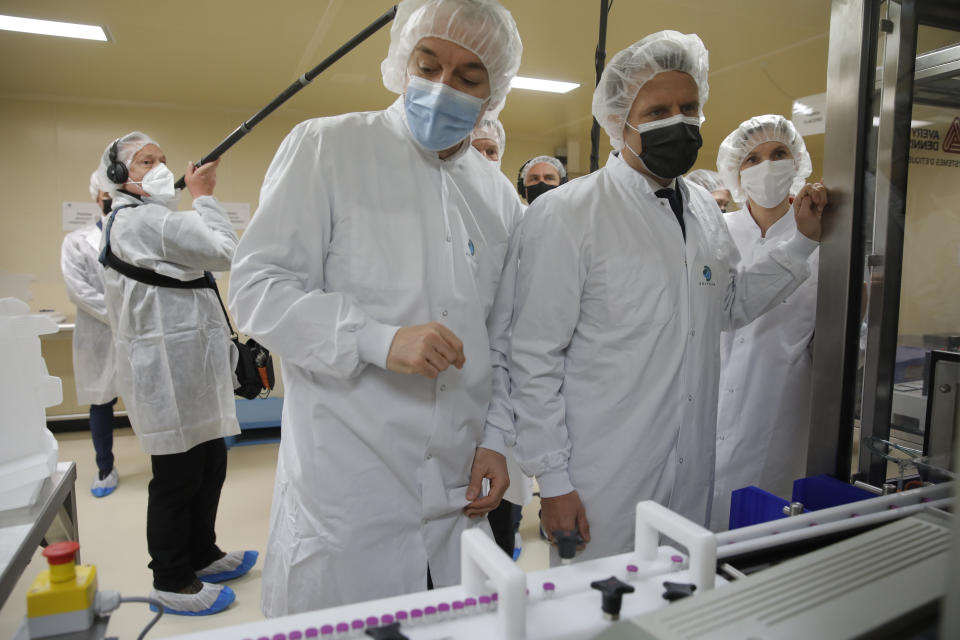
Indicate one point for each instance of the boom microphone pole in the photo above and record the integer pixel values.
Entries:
(598, 61)
(300, 83)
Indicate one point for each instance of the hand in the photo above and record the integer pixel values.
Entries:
(808, 209)
(425, 349)
(564, 513)
(201, 181)
(486, 464)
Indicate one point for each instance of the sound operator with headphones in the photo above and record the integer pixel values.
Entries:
(539, 175)
(174, 362)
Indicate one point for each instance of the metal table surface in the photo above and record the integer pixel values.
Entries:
(21, 530)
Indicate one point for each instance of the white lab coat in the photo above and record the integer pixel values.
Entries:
(361, 231)
(766, 371)
(93, 363)
(173, 351)
(615, 351)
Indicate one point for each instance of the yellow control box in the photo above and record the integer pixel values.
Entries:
(65, 586)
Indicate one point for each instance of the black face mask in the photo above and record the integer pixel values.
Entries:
(669, 151)
(534, 191)
(106, 205)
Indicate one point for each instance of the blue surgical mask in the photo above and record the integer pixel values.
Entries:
(439, 116)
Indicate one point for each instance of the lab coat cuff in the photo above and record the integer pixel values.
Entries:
(555, 483)
(800, 246)
(373, 342)
(493, 440)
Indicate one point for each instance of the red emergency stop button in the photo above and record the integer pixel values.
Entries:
(61, 552)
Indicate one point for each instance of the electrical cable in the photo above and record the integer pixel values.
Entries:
(155, 618)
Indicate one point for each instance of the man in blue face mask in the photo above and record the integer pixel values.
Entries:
(626, 278)
(371, 267)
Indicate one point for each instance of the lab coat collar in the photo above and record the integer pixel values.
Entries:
(397, 117)
(635, 180)
(782, 227)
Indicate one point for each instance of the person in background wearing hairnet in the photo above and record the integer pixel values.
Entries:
(93, 366)
(539, 175)
(371, 268)
(490, 139)
(766, 367)
(626, 278)
(711, 181)
(174, 363)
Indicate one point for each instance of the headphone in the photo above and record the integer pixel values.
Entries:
(117, 172)
(522, 188)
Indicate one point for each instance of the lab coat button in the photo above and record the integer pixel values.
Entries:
(693, 332)
(448, 238)
(443, 387)
(429, 456)
(681, 460)
(444, 314)
(742, 340)
(689, 398)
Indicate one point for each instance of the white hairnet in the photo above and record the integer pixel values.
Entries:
(751, 134)
(630, 69)
(95, 187)
(127, 147)
(490, 130)
(709, 180)
(549, 160)
(483, 27)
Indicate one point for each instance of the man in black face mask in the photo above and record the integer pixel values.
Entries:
(626, 279)
(539, 175)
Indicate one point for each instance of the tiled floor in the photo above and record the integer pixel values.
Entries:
(113, 534)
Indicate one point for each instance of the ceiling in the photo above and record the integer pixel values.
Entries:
(229, 56)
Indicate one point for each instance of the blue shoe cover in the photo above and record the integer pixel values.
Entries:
(249, 559)
(224, 599)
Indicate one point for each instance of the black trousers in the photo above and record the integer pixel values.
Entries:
(182, 513)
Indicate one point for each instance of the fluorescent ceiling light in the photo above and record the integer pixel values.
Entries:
(51, 28)
(537, 84)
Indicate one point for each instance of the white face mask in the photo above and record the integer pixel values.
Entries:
(769, 182)
(158, 183)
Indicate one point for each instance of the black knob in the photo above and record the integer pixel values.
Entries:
(612, 590)
(567, 543)
(387, 632)
(677, 590)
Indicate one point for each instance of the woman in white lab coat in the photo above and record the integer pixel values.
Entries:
(174, 365)
(93, 365)
(766, 366)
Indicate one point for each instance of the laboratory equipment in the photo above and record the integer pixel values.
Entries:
(29, 452)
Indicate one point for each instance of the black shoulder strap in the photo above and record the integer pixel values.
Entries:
(109, 260)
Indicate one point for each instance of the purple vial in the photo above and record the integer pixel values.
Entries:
(325, 630)
(416, 616)
(457, 607)
(470, 604)
(386, 619)
(443, 610)
(484, 603)
(343, 627)
(549, 586)
(357, 625)
(295, 635)
(311, 632)
(429, 613)
(676, 559)
(402, 616)
(279, 636)
(372, 621)
(493, 596)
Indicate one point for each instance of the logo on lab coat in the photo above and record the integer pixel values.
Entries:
(707, 277)
(470, 249)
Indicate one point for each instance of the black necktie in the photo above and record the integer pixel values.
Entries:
(673, 197)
